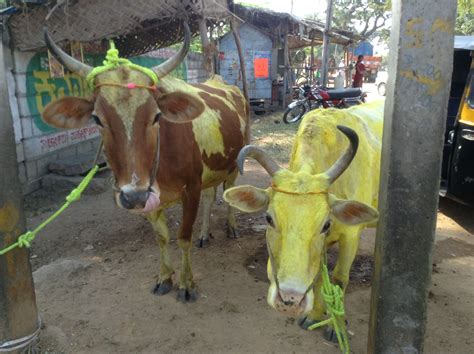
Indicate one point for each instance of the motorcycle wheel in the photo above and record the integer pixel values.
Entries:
(292, 115)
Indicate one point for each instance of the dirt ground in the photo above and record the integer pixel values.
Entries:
(96, 265)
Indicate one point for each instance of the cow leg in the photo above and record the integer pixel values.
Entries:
(187, 292)
(208, 197)
(158, 222)
(348, 245)
(231, 222)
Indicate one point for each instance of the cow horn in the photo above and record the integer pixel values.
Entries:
(345, 160)
(165, 68)
(258, 154)
(69, 62)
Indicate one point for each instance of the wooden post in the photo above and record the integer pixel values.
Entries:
(207, 48)
(18, 314)
(326, 42)
(312, 63)
(286, 63)
(420, 68)
(238, 44)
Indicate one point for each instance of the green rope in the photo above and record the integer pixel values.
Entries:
(112, 61)
(333, 296)
(25, 239)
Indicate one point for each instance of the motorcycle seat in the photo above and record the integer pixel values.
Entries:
(345, 93)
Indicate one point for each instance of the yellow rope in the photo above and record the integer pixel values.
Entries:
(25, 239)
(112, 61)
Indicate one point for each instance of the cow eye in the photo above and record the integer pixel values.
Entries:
(157, 118)
(269, 220)
(326, 227)
(97, 120)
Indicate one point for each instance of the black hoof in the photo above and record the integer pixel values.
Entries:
(162, 288)
(185, 295)
(330, 335)
(232, 232)
(305, 322)
(203, 242)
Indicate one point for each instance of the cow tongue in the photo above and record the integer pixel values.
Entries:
(152, 203)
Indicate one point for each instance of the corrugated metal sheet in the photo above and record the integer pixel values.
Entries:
(256, 45)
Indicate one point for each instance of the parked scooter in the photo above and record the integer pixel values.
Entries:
(307, 98)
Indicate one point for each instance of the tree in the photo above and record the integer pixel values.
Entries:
(363, 17)
(465, 18)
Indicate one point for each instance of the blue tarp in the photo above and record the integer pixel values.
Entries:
(365, 48)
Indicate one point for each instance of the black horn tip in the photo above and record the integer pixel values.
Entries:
(351, 135)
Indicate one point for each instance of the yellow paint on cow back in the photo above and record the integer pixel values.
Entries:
(9, 217)
(318, 136)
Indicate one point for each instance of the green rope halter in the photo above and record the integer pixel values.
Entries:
(113, 61)
(25, 239)
(333, 296)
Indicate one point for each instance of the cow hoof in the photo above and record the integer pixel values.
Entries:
(232, 232)
(306, 322)
(203, 242)
(162, 288)
(330, 335)
(187, 295)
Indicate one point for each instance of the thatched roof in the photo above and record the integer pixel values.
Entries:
(137, 26)
(300, 31)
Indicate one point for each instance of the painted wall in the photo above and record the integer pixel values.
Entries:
(257, 48)
(31, 88)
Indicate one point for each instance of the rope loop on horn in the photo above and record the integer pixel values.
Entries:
(113, 61)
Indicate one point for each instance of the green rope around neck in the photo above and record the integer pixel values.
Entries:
(333, 296)
(113, 61)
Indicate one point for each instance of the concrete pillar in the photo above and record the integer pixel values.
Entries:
(420, 68)
(18, 314)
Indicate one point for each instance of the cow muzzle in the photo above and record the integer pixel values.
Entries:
(141, 201)
(290, 301)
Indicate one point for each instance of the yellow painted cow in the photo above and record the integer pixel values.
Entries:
(328, 194)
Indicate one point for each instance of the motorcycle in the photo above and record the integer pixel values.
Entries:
(307, 98)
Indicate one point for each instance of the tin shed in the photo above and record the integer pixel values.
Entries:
(257, 48)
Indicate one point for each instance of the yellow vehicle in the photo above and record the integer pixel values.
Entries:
(457, 177)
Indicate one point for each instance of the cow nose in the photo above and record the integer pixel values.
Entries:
(134, 199)
(291, 298)
(291, 303)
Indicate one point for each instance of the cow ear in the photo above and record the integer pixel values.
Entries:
(68, 112)
(351, 212)
(248, 199)
(179, 107)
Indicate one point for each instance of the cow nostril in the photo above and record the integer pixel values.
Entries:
(125, 201)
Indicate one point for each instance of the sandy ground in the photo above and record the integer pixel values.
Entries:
(96, 265)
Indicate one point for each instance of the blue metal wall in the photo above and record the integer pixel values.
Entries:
(254, 45)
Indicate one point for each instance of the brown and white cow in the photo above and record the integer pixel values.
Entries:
(138, 125)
